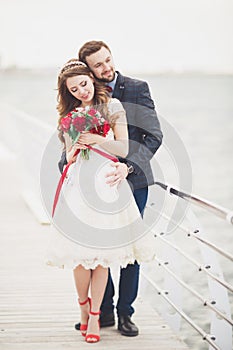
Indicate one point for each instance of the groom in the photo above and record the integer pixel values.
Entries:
(145, 137)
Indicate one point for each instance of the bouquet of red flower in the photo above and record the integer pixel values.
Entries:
(84, 119)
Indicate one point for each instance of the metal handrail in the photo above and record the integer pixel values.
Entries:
(194, 262)
(193, 234)
(194, 292)
(223, 311)
(208, 337)
(218, 210)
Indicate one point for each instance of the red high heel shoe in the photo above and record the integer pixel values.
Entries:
(93, 338)
(83, 327)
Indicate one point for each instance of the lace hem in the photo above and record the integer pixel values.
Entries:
(90, 263)
(64, 258)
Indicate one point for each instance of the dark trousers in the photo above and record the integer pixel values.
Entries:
(129, 276)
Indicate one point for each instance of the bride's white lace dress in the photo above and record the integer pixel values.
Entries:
(95, 224)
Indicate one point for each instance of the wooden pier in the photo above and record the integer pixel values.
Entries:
(38, 303)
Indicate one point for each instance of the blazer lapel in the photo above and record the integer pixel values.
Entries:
(119, 86)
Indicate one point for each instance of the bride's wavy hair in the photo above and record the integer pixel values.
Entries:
(67, 102)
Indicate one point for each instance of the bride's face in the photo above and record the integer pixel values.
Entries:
(82, 88)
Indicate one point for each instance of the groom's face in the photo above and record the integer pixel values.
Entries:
(101, 64)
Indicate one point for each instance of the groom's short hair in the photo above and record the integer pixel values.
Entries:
(89, 48)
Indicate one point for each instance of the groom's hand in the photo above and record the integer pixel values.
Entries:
(118, 174)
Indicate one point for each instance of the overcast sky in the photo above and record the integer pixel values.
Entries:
(145, 35)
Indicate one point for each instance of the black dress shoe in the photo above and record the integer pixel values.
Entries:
(77, 326)
(106, 320)
(127, 327)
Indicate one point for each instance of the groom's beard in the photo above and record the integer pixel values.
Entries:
(106, 79)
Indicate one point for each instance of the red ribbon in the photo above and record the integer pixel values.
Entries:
(63, 176)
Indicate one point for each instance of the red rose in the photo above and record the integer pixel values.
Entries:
(65, 123)
(94, 121)
(94, 131)
(92, 112)
(106, 128)
(79, 123)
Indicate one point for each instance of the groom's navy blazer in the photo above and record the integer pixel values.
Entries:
(145, 135)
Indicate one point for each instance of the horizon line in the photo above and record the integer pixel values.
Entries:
(15, 68)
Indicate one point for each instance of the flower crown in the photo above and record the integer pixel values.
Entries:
(72, 64)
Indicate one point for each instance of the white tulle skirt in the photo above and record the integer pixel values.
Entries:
(95, 224)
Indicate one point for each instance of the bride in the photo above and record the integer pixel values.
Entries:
(94, 225)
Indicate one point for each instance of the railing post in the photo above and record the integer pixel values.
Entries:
(221, 331)
(174, 290)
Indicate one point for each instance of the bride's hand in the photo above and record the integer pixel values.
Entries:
(70, 156)
(87, 138)
(78, 145)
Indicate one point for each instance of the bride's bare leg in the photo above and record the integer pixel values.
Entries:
(82, 278)
(99, 279)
